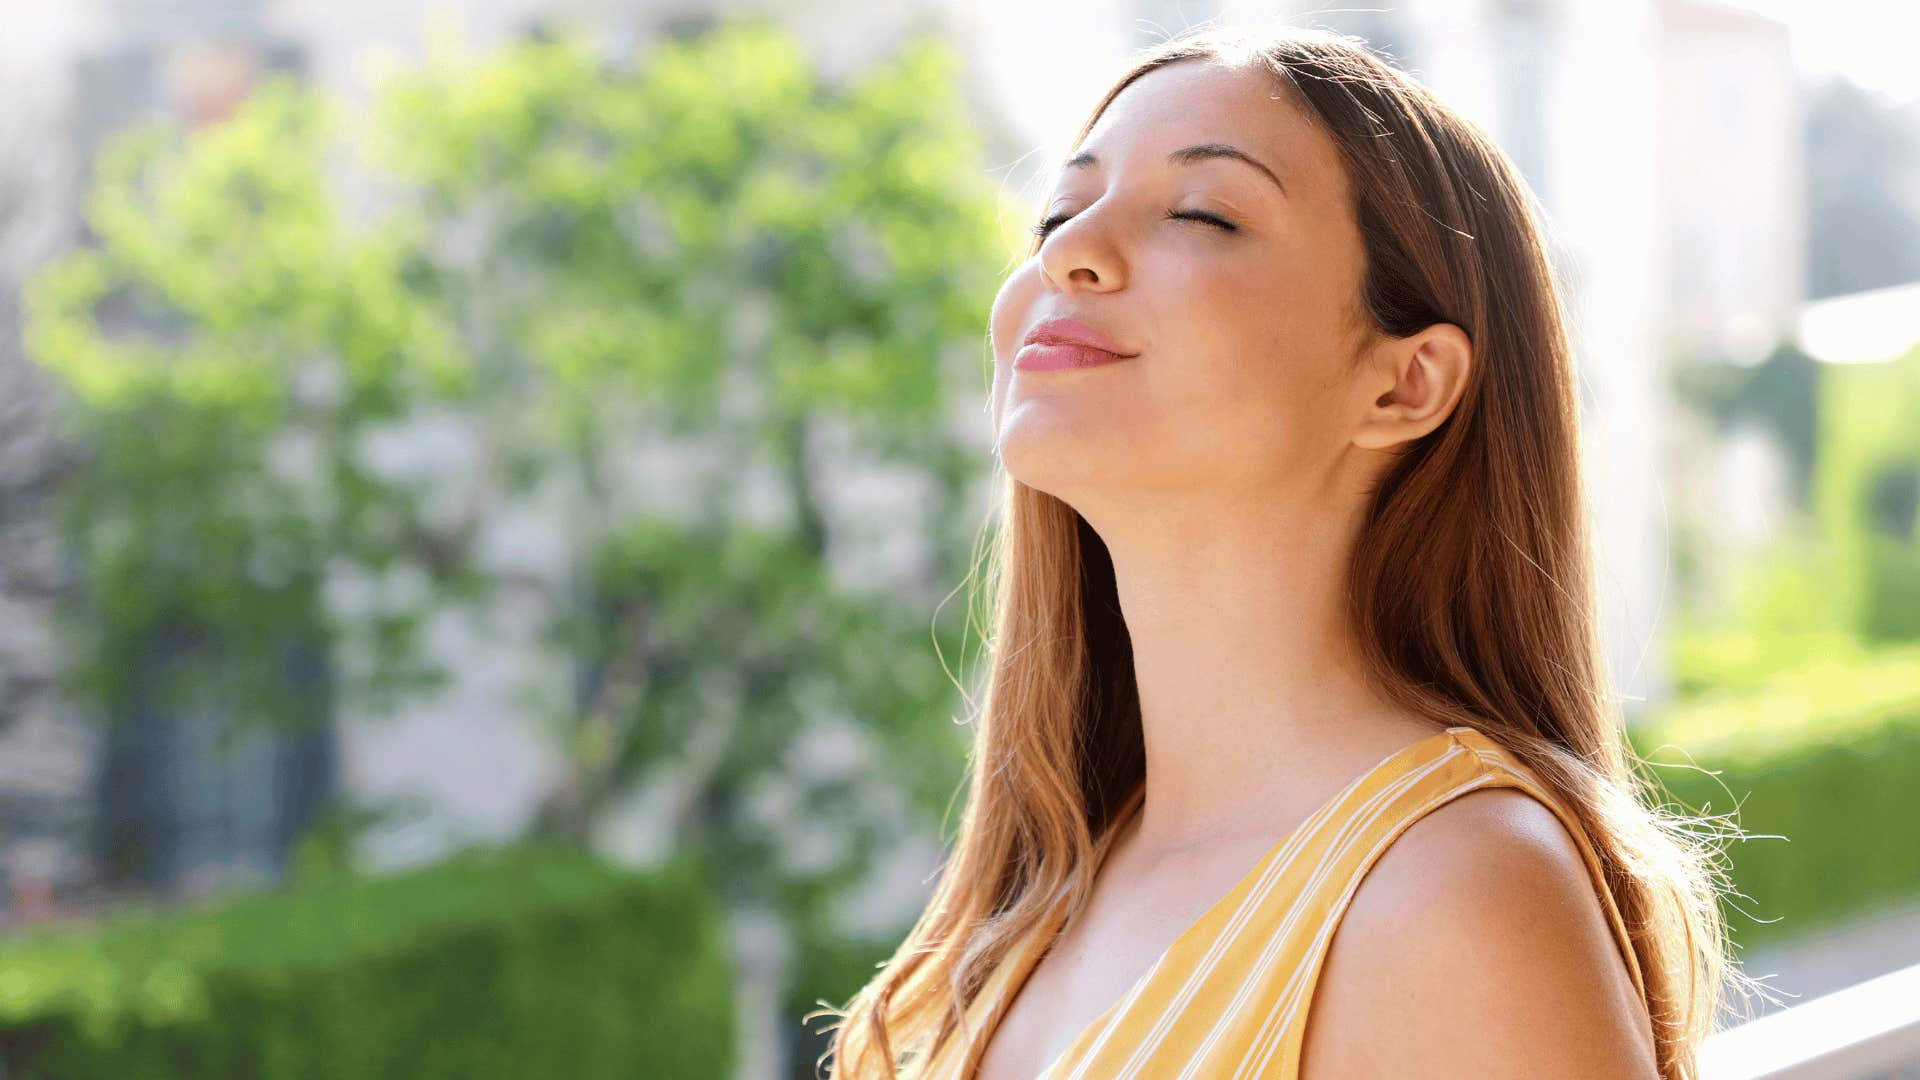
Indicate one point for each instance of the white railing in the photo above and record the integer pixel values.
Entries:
(1870, 1027)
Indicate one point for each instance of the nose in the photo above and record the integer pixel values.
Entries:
(1079, 254)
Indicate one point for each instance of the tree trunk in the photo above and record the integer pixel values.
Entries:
(762, 951)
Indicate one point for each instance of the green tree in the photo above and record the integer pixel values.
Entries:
(694, 295)
(225, 346)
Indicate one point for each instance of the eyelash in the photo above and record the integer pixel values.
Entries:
(1048, 225)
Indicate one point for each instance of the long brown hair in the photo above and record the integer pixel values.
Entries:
(1499, 630)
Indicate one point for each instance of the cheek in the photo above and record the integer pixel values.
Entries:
(1251, 389)
(1012, 311)
(1271, 330)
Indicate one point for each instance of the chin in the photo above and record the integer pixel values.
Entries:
(1048, 457)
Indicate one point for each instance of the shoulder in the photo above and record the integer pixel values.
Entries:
(1477, 946)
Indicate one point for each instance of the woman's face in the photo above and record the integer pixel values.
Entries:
(1241, 383)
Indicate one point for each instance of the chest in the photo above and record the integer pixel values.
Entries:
(1072, 986)
(1060, 1000)
(1122, 938)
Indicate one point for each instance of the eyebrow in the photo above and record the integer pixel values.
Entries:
(1189, 155)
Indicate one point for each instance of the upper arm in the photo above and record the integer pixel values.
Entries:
(1476, 946)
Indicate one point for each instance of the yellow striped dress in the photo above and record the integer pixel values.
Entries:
(1228, 999)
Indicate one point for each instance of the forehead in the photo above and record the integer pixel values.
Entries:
(1194, 101)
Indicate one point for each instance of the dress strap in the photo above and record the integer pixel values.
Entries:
(1493, 766)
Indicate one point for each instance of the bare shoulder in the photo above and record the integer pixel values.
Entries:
(1477, 946)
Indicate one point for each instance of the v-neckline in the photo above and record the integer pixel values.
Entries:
(1033, 947)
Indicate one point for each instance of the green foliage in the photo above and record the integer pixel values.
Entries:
(688, 297)
(640, 212)
(1847, 562)
(214, 491)
(497, 963)
(1799, 704)
(1821, 753)
(1783, 609)
(1868, 480)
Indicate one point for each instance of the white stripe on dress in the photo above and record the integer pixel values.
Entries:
(1289, 999)
(1353, 823)
(1278, 941)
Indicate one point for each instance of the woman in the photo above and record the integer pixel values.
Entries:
(1295, 629)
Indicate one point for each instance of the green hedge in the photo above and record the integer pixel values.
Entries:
(496, 963)
(1824, 755)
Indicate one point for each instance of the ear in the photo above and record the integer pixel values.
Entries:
(1415, 382)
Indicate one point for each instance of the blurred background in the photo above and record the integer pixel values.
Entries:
(487, 495)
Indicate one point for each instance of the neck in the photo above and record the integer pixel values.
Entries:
(1251, 687)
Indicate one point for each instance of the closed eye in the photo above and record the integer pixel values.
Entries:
(1202, 215)
(1046, 227)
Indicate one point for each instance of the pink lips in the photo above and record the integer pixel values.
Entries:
(1060, 344)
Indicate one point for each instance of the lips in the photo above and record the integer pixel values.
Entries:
(1061, 344)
